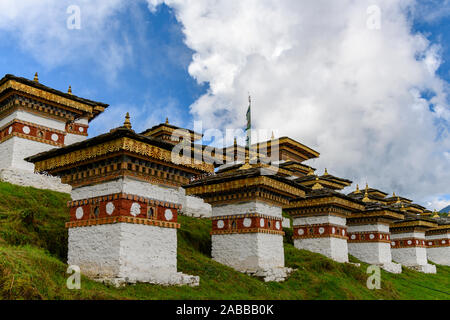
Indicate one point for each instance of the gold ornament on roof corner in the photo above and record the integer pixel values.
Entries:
(398, 199)
(36, 77)
(167, 120)
(393, 194)
(326, 172)
(310, 172)
(436, 215)
(70, 90)
(357, 189)
(127, 123)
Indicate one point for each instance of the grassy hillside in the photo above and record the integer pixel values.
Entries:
(33, 246)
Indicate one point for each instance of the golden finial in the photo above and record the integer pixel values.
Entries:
(36, 77)
(246, 165)
(393, 194)
(70, 90)
(357, 189)
(436, 215)
(366, 194)
(273, 136)
(310, 172)
(326, 172)
(398, 199)
(317, 185)
(235, 141)
(167, 120)
(127, 123)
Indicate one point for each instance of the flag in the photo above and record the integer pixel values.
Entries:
(249, 122)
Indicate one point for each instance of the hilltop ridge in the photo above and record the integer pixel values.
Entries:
(33, 250)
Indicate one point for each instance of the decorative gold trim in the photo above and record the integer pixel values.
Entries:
(122, 219)
(126, 144)
(249, 230)
(45, 95)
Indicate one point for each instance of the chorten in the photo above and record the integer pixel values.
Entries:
(247, 232)
(125, 201)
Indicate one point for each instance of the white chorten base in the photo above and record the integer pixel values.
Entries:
(374, 253)
(127, 253)
(333, 247)
(413, 257)
(258, 254)
(26, 178)
(255, 253)
(439, 254)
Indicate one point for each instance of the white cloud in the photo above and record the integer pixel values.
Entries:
(318, 74)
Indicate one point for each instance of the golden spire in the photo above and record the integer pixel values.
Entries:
(235, 141)
(393, 194)
(167, 120)
(317, 185)
(273, 136)
(326, 172)
(436, 215)
(70, 90)
(127, 123)
(310, 172)
(246, 165)
(398, 199)
(36, 77)
(366, 194)
(357, 189)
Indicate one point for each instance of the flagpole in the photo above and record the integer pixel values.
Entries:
(249, 124)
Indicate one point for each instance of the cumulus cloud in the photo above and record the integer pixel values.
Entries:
(40, 28)
(318, 73)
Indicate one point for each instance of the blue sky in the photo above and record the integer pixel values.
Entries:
(314, 71)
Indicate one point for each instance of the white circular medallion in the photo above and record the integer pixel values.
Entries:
(110, 208)
(321, 230)
(353, 237)
(79, 213)
(343, 232)
(261, 222)
(135, 209)
(301, 231)
(277, 225)
(55, 137)
(26, 130)
(220, 224)
(81, 129)
(168, 214)
(409, 241)
(443, 241)
(393, 243)
(430, 243)
(333, 230)
(247, 222)
(371, 236)
(10, 130)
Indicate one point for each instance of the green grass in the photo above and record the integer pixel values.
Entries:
(33, 246)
